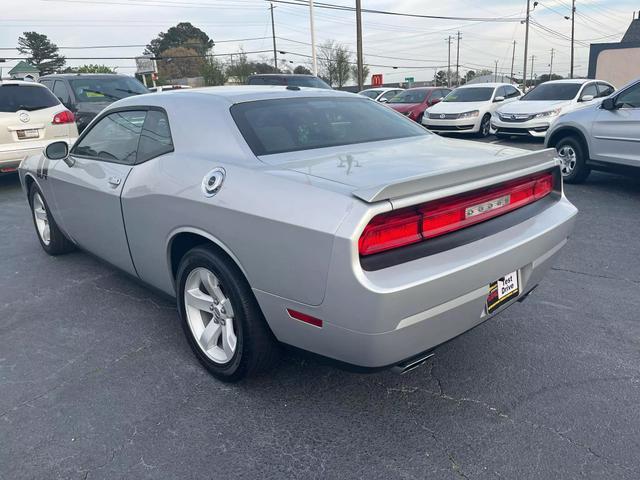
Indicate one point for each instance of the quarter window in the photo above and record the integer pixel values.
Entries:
(605, 90)
(155, 138)
(114, 138)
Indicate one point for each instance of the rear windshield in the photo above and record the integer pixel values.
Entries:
(106, 89)
(294, 81)
(25, 97)
(370, 93)
(553, 91)
(470, 94)
(410, 96)
(288, 125)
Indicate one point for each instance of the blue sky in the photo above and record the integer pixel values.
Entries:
(417, 46)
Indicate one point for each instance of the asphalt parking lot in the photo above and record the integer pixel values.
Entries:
(97, 381)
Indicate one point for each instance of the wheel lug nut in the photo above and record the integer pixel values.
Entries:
(211, 307)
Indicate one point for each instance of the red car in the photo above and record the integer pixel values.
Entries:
(414, 101)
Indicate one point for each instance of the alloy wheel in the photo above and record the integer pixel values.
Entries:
(210, 315)
(568, 159)
(41, 218)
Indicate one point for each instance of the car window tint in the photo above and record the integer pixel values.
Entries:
(552, 91)
(287, 125)
(47, 83)
(390, 94)
(114, 138)
(630, 98)
(436, 95)
(14, 97)
(590, 90)
(155, 138)
(512, 92)
(60, 90)
(373, 94)
(410, 96)
(605, 90)
(470, 94)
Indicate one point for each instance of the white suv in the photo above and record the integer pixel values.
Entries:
(535, 112)
(31, 117)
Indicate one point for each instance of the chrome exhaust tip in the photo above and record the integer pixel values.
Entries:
(412, 363)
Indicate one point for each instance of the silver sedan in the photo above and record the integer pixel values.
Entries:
(318, 219)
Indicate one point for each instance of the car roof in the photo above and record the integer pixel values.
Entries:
(84, 75)
(281, 75)
(20, 82)
(489, 84)
(573, 80)
(236, 94)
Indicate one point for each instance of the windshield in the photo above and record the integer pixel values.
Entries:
(106, 89)
(25, 97)
(470, 94)
(293, 124)
(410, 96)
(371, 93)
(552, 91)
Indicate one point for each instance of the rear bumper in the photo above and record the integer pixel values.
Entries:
(12, 154)
(463, 125)
(380, 318)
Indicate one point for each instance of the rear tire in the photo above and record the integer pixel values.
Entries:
(573, 160)
(221, 318)
(51, 238)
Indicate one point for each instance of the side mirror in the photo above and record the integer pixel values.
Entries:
(498, 99)
(609, 104)
(383, 100)
(587, 98)
(57, 151)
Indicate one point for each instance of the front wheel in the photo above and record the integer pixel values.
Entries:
(51, 238)
(485, 126)
(221, 318)
(573, 162)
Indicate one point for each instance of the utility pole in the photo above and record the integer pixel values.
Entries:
(513, 59)
(495, 77)
(573, 32)
(314, 58)
(449, 63)
(526, 46)
(458, 62)
(533, 57)
(551, 64)
(273, 35)
(359, 45)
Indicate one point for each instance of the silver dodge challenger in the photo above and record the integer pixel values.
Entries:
(312, 218)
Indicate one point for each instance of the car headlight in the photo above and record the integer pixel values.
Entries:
(550, 113)
(472, 114)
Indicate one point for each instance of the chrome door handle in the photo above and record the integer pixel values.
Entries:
(114, 181)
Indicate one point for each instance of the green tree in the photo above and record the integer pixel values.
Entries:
(545, 77)
(240, 68)
(334, 61)
(470, 75)
(365, 73)
(41, 52)
(214, 72)
(182, 35)
(441, 78)
(90, 68)
(301, 70)
(180, 62)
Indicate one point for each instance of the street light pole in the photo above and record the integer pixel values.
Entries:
(551, 64)
(526, 46)
(513, 58)
(533, 57)
(359, 45)
(273, 34)
(458, 62)
(449, 63)
(573, 32)
(314, 59)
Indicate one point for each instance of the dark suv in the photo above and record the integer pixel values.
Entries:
(291, 80)
(87, 94)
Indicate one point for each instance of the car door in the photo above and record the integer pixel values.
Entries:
(616, 133)
(88, 184)
(61, 91)
(498, 92)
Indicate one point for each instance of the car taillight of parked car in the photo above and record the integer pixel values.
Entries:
(63, 117)
(422, 222)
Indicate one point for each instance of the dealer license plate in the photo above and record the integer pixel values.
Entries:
(502, 290)
(31, 133)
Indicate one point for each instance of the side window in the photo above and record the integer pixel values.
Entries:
(155, 139)
(390, 94)
(590, 90)
(630, 98)
(114, 138)
(60, 90)
(47, 83)
(605, 90)
(501, 92)
(436, 95)
(512, 92)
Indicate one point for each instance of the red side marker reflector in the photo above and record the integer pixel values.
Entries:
(8, 169)
(303, 317)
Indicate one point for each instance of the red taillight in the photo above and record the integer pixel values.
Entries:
(63, 117)
(407, 226)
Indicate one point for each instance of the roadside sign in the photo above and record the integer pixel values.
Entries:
(376, 79)
(409, 79)
(145, 64)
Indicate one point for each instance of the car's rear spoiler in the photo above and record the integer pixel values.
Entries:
(468, 178)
